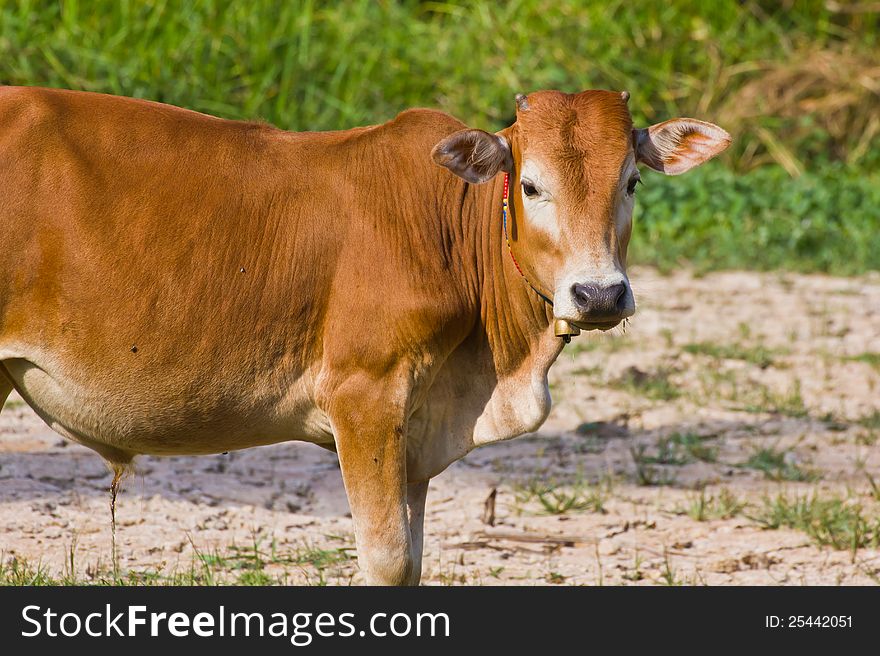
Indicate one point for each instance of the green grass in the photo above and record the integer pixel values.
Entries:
(636, 573)
(871, 421)
(651, 384)
(20, 572)
(789, 403)
(305, 65)
(872, 359)
(674, 450)
(743, 393)
(668, 574)
(681, 449)
(555, 578)
(776, 465)
(556, 499)
(703, 507)
(647, 473)
(253, 565)
(15, 571)
(759, 355)
(839, 523)
(826, 220)
(259, 564)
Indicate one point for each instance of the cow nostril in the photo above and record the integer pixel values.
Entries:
(618, 293)
(581, 295)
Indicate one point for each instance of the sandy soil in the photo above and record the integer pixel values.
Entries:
(735, 362)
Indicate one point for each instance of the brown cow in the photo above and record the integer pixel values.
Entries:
(176, 283)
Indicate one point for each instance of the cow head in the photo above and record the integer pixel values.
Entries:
(572, 160)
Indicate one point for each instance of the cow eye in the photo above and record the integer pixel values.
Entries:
(529, 189)
(633, 181)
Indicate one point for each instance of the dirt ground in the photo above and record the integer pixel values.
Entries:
(728, 436)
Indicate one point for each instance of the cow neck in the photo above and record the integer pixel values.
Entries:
(517, 320)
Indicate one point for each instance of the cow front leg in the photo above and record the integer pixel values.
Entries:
(372, 456)
(416, 493)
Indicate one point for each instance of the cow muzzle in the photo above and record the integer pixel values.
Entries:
(601, 307)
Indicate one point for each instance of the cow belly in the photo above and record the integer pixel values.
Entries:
(130, 421)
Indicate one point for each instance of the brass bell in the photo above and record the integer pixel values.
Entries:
(565, 330)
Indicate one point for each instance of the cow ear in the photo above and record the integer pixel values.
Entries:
(474, 155)
(678, 145)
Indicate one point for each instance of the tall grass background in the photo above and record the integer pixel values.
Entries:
(797, 83)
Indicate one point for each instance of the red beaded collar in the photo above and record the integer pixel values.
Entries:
(504, 203)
